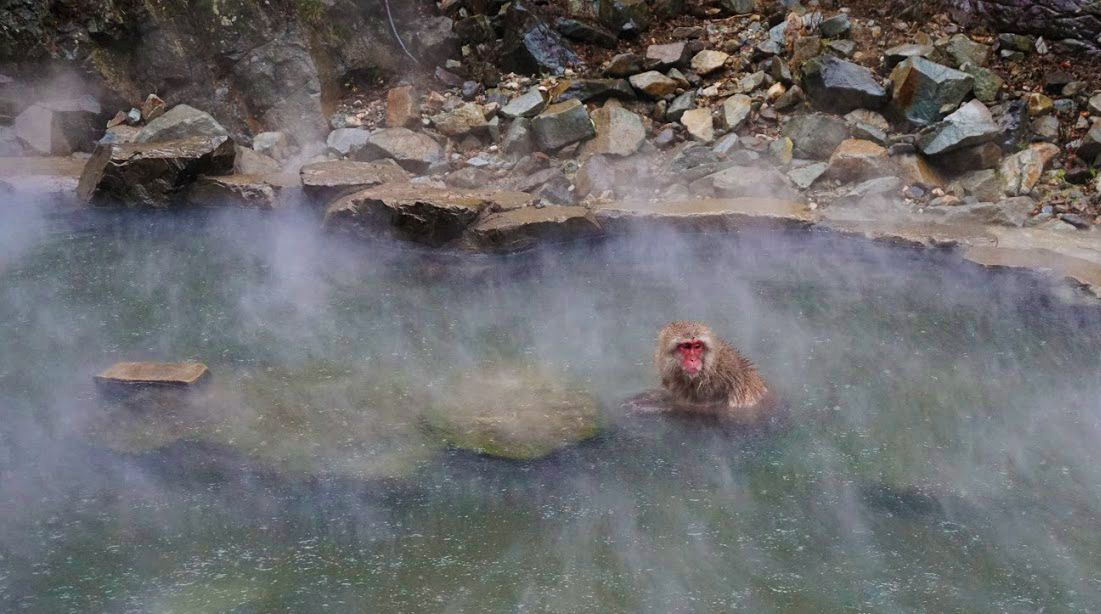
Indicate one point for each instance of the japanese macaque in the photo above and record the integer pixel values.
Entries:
(702, 374)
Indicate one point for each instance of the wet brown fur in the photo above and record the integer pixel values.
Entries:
(727, 383)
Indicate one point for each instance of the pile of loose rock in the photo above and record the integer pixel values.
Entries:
(859, 121)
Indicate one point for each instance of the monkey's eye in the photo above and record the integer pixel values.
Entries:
(687, 345)
(697, 345)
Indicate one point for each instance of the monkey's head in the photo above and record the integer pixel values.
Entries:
(684, 349)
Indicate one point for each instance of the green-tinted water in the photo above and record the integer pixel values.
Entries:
(307, 484)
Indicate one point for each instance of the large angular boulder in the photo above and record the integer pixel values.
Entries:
(836, 86)
(517, 414)
(414, 151)
(525, 227)
(152, 175)
(180, 122)
(971, 125)
(618, 131)
(562, 124)
(923, 91)
(325, 181)
(816, 135)
(433, 216)
(59, 127)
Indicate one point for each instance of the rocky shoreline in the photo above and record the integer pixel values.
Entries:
(704, 115)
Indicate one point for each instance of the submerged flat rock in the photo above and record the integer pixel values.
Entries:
(306, 421)
(515, 414)
(179, 374)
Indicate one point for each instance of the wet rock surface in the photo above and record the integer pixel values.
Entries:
(152, 175)
(513, 414)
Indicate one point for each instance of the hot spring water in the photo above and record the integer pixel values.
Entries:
(309, 485)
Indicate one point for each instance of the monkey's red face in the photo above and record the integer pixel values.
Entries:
(691, 356)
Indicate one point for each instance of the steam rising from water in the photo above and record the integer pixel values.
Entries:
(904, 368)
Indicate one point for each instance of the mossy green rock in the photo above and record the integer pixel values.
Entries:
(515, 414)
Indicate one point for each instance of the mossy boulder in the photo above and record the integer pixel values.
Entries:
(517, 414)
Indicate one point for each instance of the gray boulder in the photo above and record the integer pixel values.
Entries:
(180, 122)
(347, 142)
(925, 91)
(837, 25)
(971, 125)
(562, 124)
(415, 152)
(816, 135)
(527, 104)
(836, 86)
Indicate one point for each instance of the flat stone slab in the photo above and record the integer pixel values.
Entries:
(919, 234)
(325, 181)
(1082, 272)
(433, 216)
(705, 214)
(525, 227)
(174, 374)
